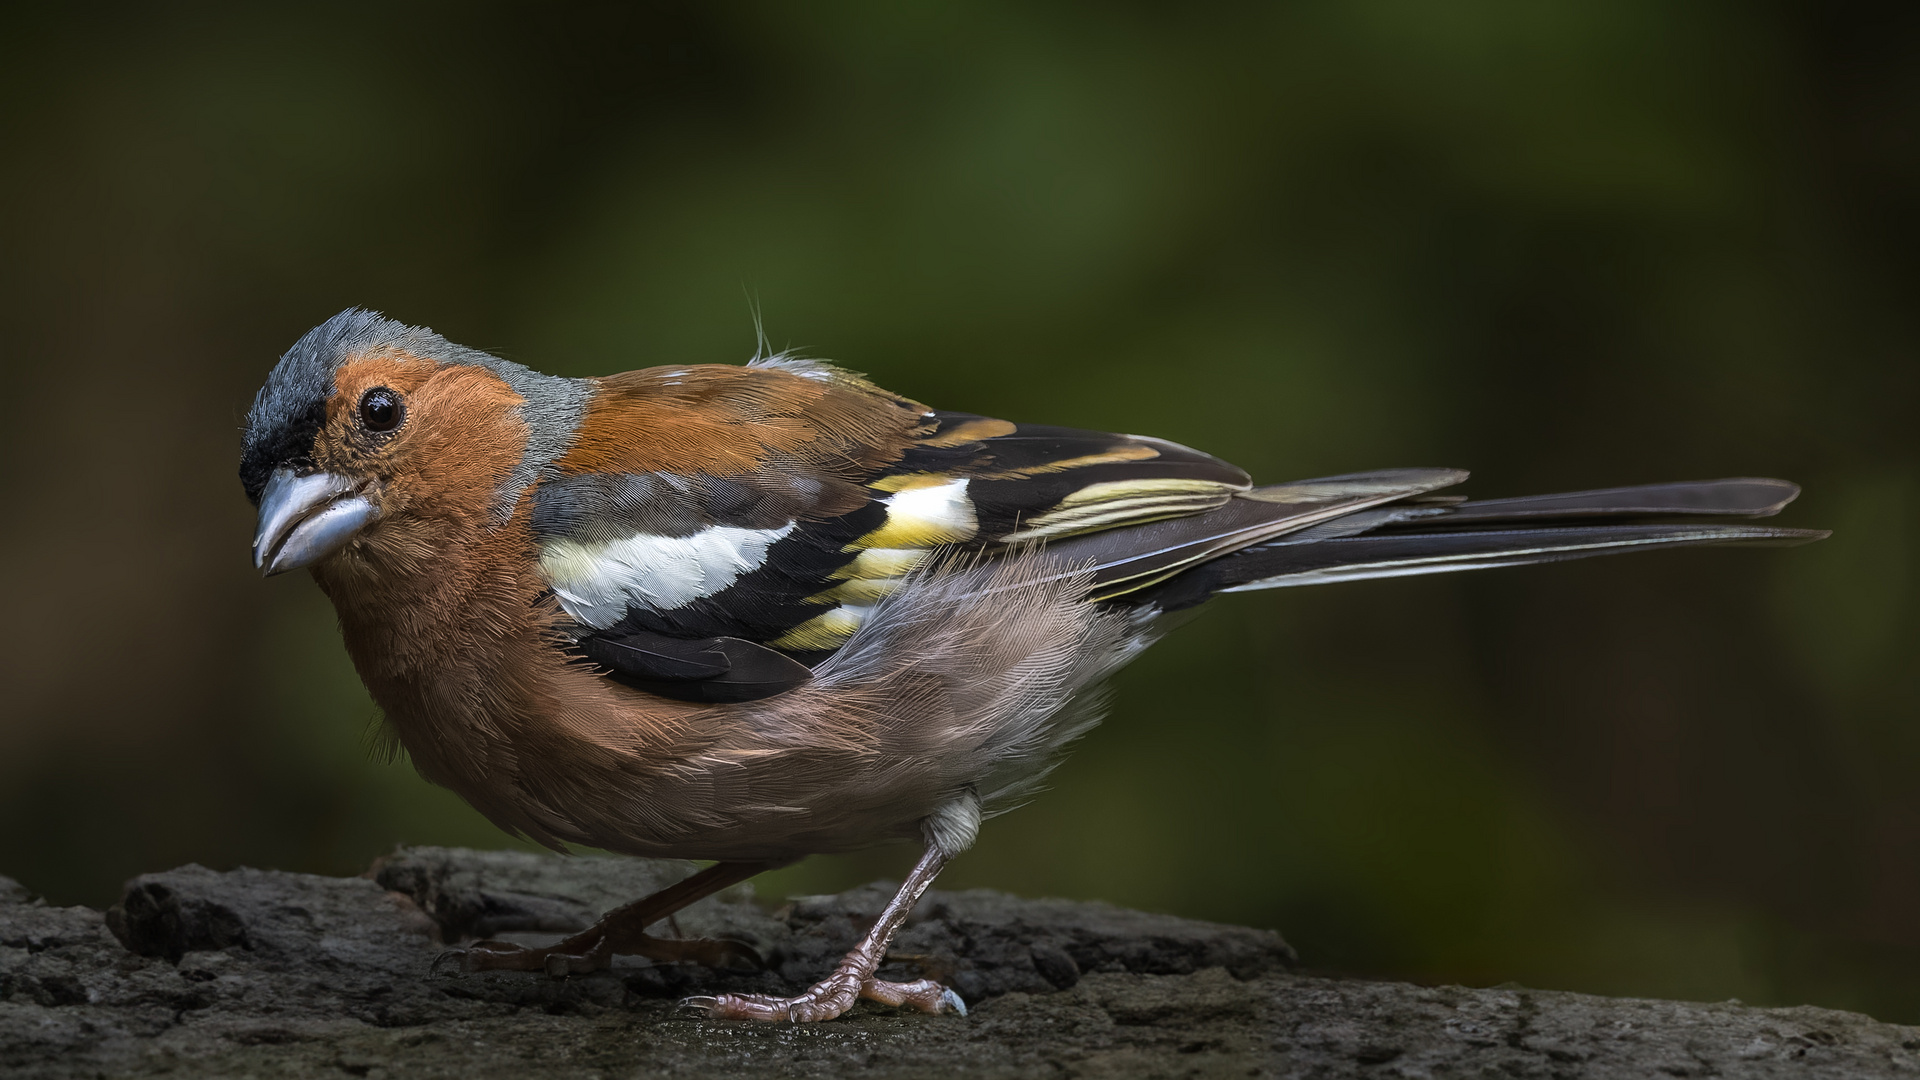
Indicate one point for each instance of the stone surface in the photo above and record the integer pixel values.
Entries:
(256, 973)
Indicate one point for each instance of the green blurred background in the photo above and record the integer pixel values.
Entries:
(1564, 244)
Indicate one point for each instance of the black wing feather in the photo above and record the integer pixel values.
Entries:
(721, 669)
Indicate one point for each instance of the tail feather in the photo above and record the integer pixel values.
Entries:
(1303, 560)
(1744, 496)
(1424, 534)
(1391, 524)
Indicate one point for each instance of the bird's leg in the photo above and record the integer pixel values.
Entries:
(853, 977)
(622, 932)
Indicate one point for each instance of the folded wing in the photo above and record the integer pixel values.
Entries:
(775, 505)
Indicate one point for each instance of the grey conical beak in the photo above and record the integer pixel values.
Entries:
(304, 519)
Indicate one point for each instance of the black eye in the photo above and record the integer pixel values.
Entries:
(380, 409)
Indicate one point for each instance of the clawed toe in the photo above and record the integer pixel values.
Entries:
(720, 954)
(491, 955)
(828, 1000)
(568, 958)
(923, 994)
(853, 977)
(704, 1004)
(458, 958)
(795, 1010)
(736, 954)
(762, 1007)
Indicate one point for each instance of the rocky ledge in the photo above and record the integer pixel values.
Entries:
(257, 973)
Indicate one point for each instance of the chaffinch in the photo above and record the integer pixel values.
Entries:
(749, 614)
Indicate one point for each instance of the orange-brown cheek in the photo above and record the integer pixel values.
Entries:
(461, 438)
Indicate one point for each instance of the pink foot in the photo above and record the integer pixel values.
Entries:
(831, 998)
(853, 978)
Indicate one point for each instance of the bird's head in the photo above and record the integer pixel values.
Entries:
(372, 436)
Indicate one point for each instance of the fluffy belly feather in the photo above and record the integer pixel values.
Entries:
(951, 702)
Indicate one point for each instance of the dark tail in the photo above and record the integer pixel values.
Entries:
(1433, 536)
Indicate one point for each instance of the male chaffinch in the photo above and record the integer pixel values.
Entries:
(748, 614)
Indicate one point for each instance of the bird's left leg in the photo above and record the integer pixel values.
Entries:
(622, 932)
(853, 977)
